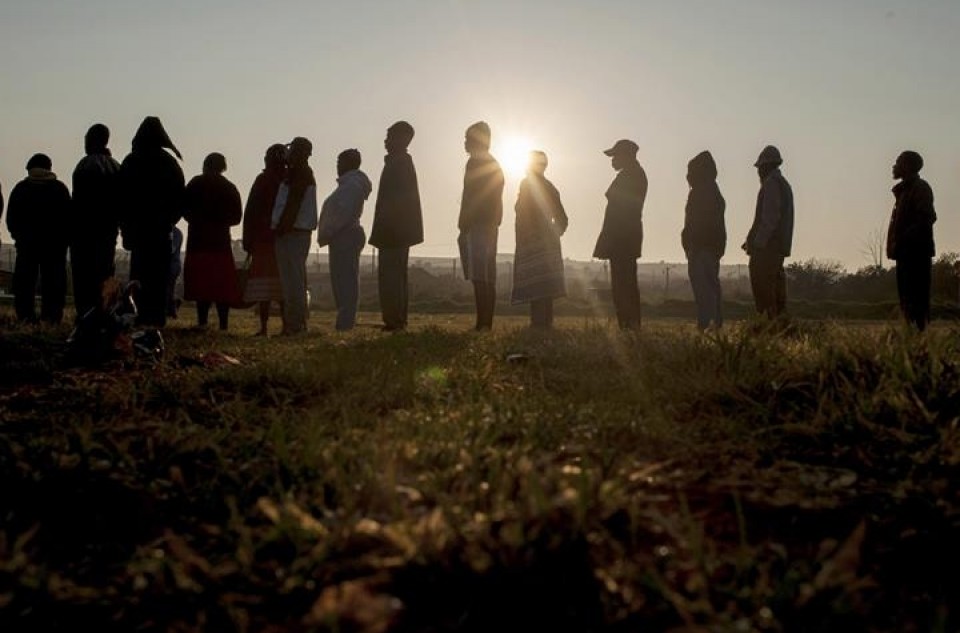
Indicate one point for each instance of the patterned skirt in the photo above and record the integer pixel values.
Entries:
(478, 253)
(263, 278)
(538, 269)
(210, 276)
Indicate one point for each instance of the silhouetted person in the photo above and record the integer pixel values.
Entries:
(293, 219)
(397, 224)
(263, 278)
(621, 238)
(771, 236)
(152, 187)
(1, 204)
(38, 219)
(209, 274)
(339, 228)
(538, 260)
(481, 211)
(704, 238)
(176, 267)
(96, 219)
(910, 238)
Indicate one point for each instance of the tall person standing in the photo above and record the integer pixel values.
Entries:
(704, 238)
(621, 238)
(481, 211)
(397, 225)
(910, 238)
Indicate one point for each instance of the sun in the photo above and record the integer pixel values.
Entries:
(513, 152)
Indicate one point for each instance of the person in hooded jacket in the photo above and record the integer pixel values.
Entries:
(38, 218)
(96, 219)
(209, 275)
(397, 224)
(538, 260)
(339, 228)
(152, 190)
(704, 238)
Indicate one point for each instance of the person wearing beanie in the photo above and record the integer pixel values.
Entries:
(339, 228)
(397, 225)
(38, 218)
(704, 238)
(481, 211)
(152, 199)
(621, 238)
(770, 238)
(910, 238)
(95, 220)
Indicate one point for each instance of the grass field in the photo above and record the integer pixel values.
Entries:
(441, 480)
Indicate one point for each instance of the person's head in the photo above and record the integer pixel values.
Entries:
(477, 138)
(622, 153)
(537, 163)
(214, 164)
(399, 136)
(275, 157)
(348, 160)
(96, 139)
(768, 161)
(299, 151)
(701, 169)
(908, 165)
(39, 161)
(151, 135)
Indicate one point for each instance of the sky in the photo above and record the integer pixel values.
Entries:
(841, 87)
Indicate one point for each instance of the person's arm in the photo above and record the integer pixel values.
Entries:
(235, 207)
(253, 202)
(560, 219)
(769, 215)
(15, 214)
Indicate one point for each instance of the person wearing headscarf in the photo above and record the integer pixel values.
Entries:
(209, 274)
(704, 238)
(263, 277)
(910, 238)
(621, 238)
(293, 219)
(96, 219)
(538, 260)
(38, 218)
(397, 225)
(339, 228)
(770, 239)
(481, 211)
(152, 188)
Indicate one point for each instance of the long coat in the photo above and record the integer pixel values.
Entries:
(152, 189)
(398, 217)
(910, 235)
(622, 232)
(212, 207)
(538, 261)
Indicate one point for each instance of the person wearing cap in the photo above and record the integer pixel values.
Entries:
(293, 219)
(152, 196)
(481, 211)
(96, 219)
(704, 238)
(339, 228)
(621, 238)
(771, 237)
(38, 218)
(209, 274)
(397, 224)
(910, 238)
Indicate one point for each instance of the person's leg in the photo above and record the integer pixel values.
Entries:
(716, 294)
(82, 269)
(479, 295)
(26, 270)
(292, 267)
(698, 283)
(345, 279)
(626, 293)
(490, 304)
(392, 281)
(618, 276)
(780, 288)
(403, 283)
(203, 313)
(223, 315)
(264, 317)
(924, 280)
(152, 271)
(762, 283)
(53, 283)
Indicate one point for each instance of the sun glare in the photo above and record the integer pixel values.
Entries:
(513, 153)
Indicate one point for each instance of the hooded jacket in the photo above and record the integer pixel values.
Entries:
(910, 234)
(622, 232)
(38, 212)
(342, 209)
(703, 224)
(398, 217)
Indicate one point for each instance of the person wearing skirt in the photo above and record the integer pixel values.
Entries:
(263, 277)
(538, 261)
(210, 275)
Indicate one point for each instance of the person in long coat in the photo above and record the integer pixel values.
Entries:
(152, 189)
(538, 261)
(38, 218)
(96, 219)
(704, 238)
(621, 238)
(397, 224)
(910, 238)
(481, 211)
(209, 274)
(263, 277)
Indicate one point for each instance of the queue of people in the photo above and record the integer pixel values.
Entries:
(143, 198)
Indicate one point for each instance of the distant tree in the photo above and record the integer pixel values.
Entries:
(813, 278)
(874, 248)
(945, 282)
